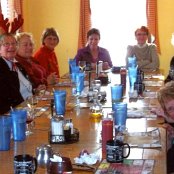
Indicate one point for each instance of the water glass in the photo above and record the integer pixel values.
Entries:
(120, 113)
(79, 82)
(132, 62)
(74, 68)
(132, 71)
(60, 100)
(72, 64)
(5, 132)
(19, 118)
(116, 93)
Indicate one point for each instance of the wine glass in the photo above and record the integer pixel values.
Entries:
(30, 121)
(82, 65)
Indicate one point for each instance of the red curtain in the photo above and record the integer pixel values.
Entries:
(85, 22)
(152, 20)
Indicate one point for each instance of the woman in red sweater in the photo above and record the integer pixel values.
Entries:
(37, 74)
(46, 55)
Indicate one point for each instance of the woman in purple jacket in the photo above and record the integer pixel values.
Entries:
(92, 53)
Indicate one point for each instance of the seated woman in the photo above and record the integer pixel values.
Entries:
(37, 74)
(45, 55)
(166, 101)
(145, 53)
(15, 87)
(92, 53)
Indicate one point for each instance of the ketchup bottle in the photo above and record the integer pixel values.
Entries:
(107, 133)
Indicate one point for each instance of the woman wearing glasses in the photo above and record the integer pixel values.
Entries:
(15, 86)
(145, 53)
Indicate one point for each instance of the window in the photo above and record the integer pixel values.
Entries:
(7, 9)
(117, 20)
(11, 8)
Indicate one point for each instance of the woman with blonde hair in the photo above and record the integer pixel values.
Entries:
(166, 100)
(37, 74)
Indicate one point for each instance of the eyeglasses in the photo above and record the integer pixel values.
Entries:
(7, 44)
(141, 34)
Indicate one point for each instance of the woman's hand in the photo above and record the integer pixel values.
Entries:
(106, 66)
(158, 111)
(52, 79)
(39, 88)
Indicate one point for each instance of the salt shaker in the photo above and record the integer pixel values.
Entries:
(57, 128)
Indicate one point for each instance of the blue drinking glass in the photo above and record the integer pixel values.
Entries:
(60, 100)
(72, 65)
(116, 93)
(79, 82)
(120, 113)
(19, 118)
(5, 132)
(132, 61)
(132, 72)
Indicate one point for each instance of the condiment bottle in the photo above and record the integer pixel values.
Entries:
(57, 128)
(99, 67)
(107, 133)
(123, 74)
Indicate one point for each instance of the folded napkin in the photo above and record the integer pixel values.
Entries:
(56, 158)
(86, 158)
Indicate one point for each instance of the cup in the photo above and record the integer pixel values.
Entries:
(72, 65)
(79, 82)
(5, 132)
(60, 100)
(19, 118)
(60, 167)
(140, 87)
(73, 77)
(116, 93)
(120, 113)
(132, 62)
(25, 164)
(107, 132)
(73, 68)
(115, 151)
(132, 71)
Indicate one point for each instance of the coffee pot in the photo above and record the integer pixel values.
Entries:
(43, 155)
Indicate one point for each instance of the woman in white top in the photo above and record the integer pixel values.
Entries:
(145, 53)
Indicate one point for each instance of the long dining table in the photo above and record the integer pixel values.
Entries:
(90, 128)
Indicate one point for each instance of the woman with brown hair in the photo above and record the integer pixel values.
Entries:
(45, 55)
(145, 53)
(92, 53)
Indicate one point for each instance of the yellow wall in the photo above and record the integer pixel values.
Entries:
(64, 16)
(166, 28)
